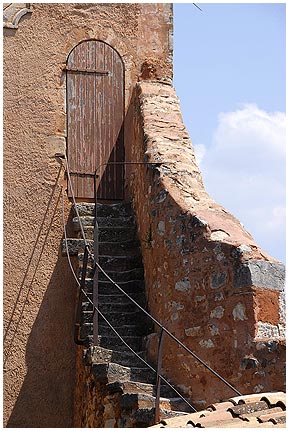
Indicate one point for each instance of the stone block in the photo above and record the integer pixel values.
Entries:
(73, 246)
(218, 279)
(217, 312)
(183, 285)
(260, 273)
(239, 312)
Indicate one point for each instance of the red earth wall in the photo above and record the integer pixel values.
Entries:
(207, 280)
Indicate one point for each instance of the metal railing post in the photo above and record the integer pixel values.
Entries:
(158, 381)
(77, 340)
(94, 303)
(95, 265)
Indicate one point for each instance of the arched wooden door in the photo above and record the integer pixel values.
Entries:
(95, 113)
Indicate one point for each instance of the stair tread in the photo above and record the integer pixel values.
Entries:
(136, 369)
(120, 242)
(101, 228)
(122, 272)
(119, 282)
(112, 361)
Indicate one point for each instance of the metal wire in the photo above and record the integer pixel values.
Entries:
(198, 7)
(66, 241)
(195, 356)
(105, 319)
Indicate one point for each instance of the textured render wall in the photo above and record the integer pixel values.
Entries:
(207, 279)
(39, 292)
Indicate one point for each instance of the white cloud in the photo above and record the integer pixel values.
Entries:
(200, 151)
(244, 170)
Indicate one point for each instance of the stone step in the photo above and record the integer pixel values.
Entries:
(86, 331)
(127, 318)
(136, 274)
(130, 247)
(123, 276)
(117, 276)
(140, 387)
(118, 320)
(145, 417)
(86, 318)
(88, 221)
(126, 358)
(107, 309)
(117, 234)
(115, 343)
(104, 210)
(122, 248)
(130, 287)
(108, 373)
(114, 263)
(120, 209)
(111, 234)
(132, 329)
(116, 221)
(121, 298)
(120, 263)
(120, 307)
(107, 288)
(120, 323)
(133, 401)
(75, 245)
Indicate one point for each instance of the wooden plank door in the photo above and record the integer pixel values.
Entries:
(95, 113)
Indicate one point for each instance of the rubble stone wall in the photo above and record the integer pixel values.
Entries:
(207, 280)
(39, 291)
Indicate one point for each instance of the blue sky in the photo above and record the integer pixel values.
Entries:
(229, 73)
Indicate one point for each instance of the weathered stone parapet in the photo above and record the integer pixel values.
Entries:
(207, 279)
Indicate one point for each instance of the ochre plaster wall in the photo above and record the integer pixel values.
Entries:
(207, 280)
(39, 292)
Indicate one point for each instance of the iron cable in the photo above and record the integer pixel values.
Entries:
(105, 319)
(96, 264)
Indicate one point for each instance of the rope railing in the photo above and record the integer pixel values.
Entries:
(163, 330)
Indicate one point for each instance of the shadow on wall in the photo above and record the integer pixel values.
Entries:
(11, 332)
(47, 393)
(46, 396)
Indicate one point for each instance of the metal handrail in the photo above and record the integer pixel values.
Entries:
(96, 236)
(95, 308)
(162, 328)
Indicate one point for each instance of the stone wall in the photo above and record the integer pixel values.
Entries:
(39, 291)
(207, 280)
(99, 402)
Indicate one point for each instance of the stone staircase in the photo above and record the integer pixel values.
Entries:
(112, 362)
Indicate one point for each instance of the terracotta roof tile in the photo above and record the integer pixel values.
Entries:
(244, 399)
(274, 398)
(220, 406)
(278, 418)
(217, 417)
(271, 415)
(241, 409)
(266, 410)
(234, 424)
